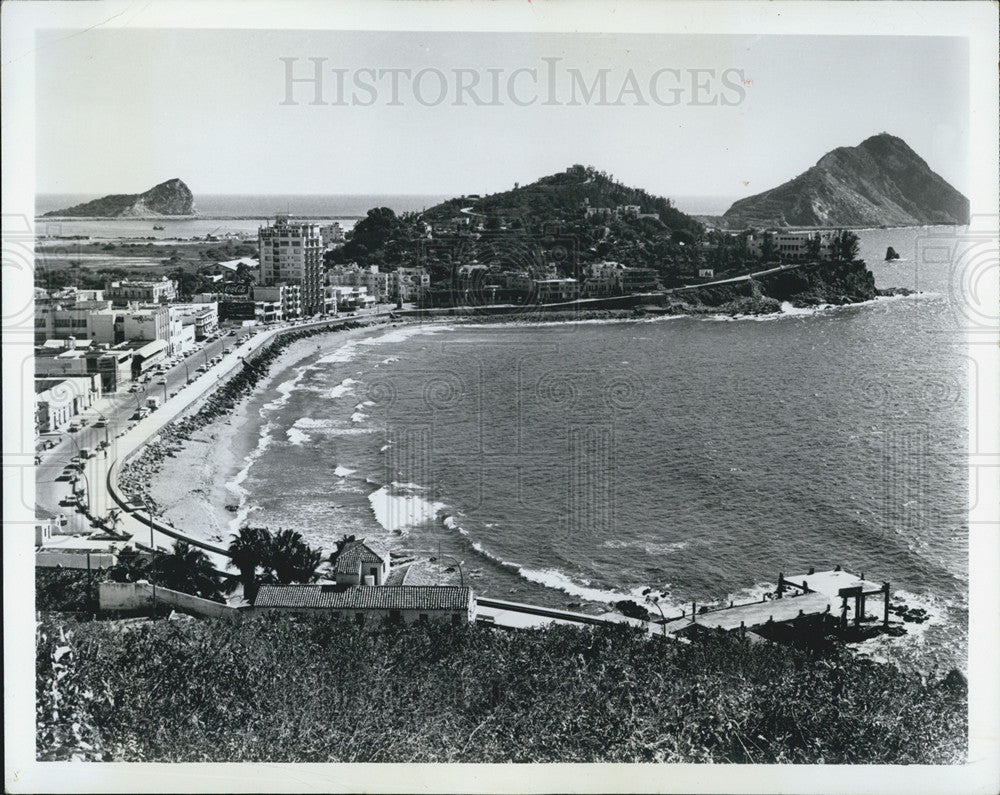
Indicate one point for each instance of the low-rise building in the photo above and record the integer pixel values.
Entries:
(61, 360)
(555, 290)
(361, 604)
(112, 364)
(128, 291)
(637, 280)
(406, 284)
(46, 524)
(360, 563)
(56, 320)
(349, 298)
(352, 275)
(287, 296)
(202, 317)
(58, 400)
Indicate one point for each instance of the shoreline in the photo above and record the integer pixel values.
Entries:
(209, 461)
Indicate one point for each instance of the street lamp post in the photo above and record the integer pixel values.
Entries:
(461, 575)
(149, 505)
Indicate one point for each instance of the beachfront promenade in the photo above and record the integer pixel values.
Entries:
(102, 492)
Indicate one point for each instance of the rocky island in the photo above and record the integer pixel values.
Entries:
(170, 198)
(880, 182)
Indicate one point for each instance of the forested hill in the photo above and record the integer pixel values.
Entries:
(566, 195)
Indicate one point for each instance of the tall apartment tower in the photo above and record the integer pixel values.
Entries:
(292, 253)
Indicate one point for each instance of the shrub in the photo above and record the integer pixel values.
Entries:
(286, 689)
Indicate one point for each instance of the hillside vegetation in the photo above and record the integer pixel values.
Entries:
(282, 689)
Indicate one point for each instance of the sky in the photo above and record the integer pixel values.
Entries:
(121, 110)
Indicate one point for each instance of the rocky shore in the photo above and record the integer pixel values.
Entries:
(818, 284)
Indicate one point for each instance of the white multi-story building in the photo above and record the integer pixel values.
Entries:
(287, 296)
(145, 292)
(293, 252)
(349, 297)
(790, 245)
(407, 284)
(331, 233)
(354, 276)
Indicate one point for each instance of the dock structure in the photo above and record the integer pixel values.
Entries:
(849, 590)
(808, 602)
(802, 606)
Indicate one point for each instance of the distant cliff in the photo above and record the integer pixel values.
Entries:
(172, 197)
(880, 182)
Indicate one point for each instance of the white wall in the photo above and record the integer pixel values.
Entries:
(139, 596)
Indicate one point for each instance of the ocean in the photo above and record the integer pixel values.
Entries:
(573, 464)
(221, 214)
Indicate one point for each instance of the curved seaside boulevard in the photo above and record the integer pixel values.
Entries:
(134, 443)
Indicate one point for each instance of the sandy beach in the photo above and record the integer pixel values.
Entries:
(191, 488)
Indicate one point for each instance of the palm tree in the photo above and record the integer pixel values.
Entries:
(189, 570)
(250, 552)
(292, 560)
(131, 567)
(114, 519)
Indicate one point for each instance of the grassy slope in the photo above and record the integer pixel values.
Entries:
(313, 690)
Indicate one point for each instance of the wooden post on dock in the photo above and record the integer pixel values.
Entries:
(858, 608)
(743, 631)
(843, 612)
(885, 609)
(781, 583)
(693, 612)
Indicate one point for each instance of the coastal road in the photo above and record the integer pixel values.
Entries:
(126, 435)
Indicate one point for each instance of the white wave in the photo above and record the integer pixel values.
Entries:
(403, 333)
(344, 353)
(235, 486)
(342, 388)
(553, 578)
(594, 321)
(296, 436)
(343, 472)
(398, 513)
(909, 649)
(384, 447)
(359, 416)
(390, 360)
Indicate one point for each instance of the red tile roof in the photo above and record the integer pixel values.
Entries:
(365, 597)
(355, 553)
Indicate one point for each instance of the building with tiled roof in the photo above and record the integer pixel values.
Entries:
(405, 603)
(359, 560)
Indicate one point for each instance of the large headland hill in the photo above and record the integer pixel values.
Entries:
(879, 182)
(564, 196)
(170, 198)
